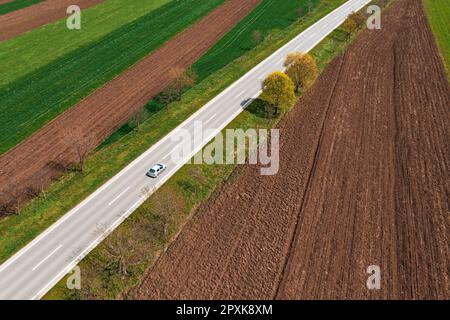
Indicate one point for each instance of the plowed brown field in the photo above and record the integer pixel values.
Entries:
(17, 22)
(41, 156)
(363, 181)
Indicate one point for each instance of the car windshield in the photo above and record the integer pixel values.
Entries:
(152, 170)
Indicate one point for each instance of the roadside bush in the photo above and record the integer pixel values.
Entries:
(350, 27)
(355, 22)
(359, 18)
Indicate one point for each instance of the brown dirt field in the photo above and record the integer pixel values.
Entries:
(17, 22)
(363, 180)
(5, 1)
(42, 157)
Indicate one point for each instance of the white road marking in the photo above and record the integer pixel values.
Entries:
(37, 266)
(116, 198)
(209, 119)
(242, 93)
(169, 154)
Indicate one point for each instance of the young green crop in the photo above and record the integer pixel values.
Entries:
(32, 50)
(16, 5)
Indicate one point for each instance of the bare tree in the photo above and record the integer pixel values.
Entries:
(119, 247)
(34, 187)
(166, 205)
(310, 6)
(80, 143)
(182, 79)
(196, 174)
(11, 197)
(138, 118)
(36, 184)
(300, 11)
(257, 37)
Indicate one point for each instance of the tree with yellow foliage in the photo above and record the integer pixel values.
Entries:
(359, 19)
(350, 27)
(302, 69)
(354, 22)
(278, 90)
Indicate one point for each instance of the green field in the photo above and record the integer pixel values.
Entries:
(16, 5)
(54, 40)
(438, 12)
(268, 16)
(32, 101)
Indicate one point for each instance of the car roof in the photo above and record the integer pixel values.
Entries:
(157, 166)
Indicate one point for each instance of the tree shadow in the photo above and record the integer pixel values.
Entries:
(260, 108)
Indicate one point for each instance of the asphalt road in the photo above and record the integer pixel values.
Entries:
(43, 262)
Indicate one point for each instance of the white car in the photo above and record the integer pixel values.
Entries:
(156, 170)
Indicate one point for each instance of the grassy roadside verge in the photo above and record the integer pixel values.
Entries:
(193, 184)
(438, 13)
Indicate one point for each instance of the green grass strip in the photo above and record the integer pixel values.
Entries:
(438, 12)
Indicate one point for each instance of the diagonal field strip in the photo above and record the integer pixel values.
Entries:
(17, 22)
(7, 6)
(77, 231)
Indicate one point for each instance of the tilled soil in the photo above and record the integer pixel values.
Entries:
(363, 181)
(43, 156)
(17, 22)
